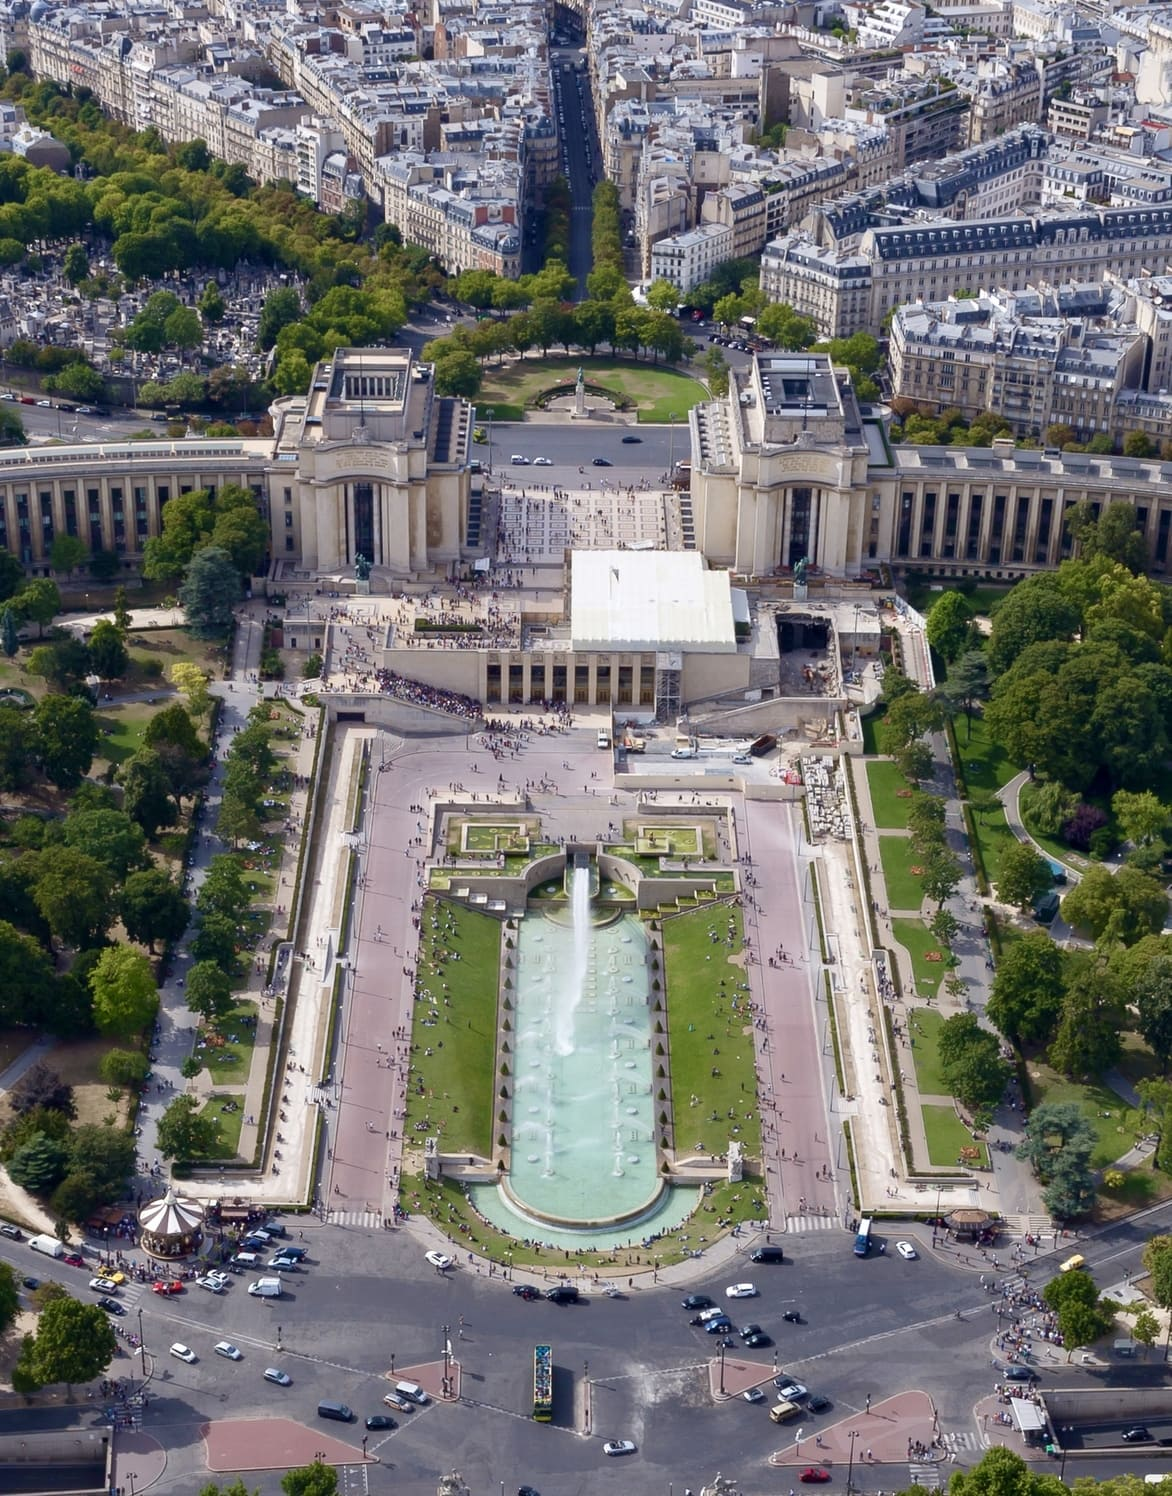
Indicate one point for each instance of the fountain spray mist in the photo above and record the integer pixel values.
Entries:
(569, 999)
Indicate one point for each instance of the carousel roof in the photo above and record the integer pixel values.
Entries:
(171, 1216)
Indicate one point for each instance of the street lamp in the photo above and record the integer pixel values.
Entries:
(722, 1368)
(132, 1476)
(364, 1439)
(850, 1468)
(278, 1337)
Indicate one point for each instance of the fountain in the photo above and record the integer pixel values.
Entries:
(583, 1155)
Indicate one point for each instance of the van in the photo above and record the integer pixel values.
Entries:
(413, 1392)
(767, 1254)
(1078, 1260)
(246, 1259)
(782, 1412)
(339, 1412)
(49, 1245)
(603, 739)
(266, 1288)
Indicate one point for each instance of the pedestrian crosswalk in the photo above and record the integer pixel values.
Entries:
(808, 1222)
(965, 1439)
(926, 1475)
(372, 1219)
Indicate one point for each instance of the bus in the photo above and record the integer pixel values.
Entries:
(542, 1383)
(863, 1237)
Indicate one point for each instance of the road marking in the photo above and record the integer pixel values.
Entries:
(854, 1345)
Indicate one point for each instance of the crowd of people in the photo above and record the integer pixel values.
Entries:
(435, 697)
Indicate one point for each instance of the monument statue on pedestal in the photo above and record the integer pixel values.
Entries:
(800, 571)
(580, 394)
(361, 575)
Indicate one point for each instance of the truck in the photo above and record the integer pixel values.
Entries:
(763, 744)
(633, 744)
(49, 1245)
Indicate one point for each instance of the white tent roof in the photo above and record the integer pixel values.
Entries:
(662, 600)
(170, 1216)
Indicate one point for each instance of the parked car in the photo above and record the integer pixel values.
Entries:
(14, 1233)
(381, 1420)
(816, 1403)
(758, 1342)
(183, 1352)
(618, 1446)
(906, 1251)
(275, 1374)
(740, 1291)
(525, 1291)
(754, 1395)
(73, 1259)
(226, 1349)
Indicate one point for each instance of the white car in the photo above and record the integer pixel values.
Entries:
(439, 1260)
(906, 1251)
(103, 1285)
(754, 1395)
(741, 1291)
(543, 462)
(213, 1285)
(792, 1392)
(281, 1378)
(618, 1446)
(183, 1352)
(230, 1352)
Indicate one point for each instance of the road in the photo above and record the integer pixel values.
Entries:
(580, 154)
(574, 445)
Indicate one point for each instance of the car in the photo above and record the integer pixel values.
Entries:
(758, 1342)
(1020, 1374)
(8, 395)
(111, 1306)
(31, 1283)
(439, 1260)
(697, 1301)
(86, 410)
(275, 1374)
(906, 1251)
(283, 1264)
(816, 1403)
(527, 1491)
(183, 1352)
(1138, 1433)
(103, 1285)
(814, 1475)
(213, 1285)
(167, 1287)
(742, 758)
(618, 1446)
(792, 1316)
(602, 462)
(631, 441)
(226, 1349)
(792, 1392)
(73, 1259)
(754, 1395)
(750, 1330)
(13, 1233)
(518, 460)
(115, 1277)
(543, 462)
(525, 1291)
(403, 1404)
(478, 434)
(295, 1254)
(46, 404)
(381, 1420)
(719, 1326)
(740, 1291)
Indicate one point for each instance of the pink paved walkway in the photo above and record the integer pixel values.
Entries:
(430, 1376)
(882, 1436)
(739, 1376)
(274, 1444)
(138, 1455)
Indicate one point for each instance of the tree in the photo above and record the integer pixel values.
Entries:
(967, 683)
(215, 940)
(9, 1297)
(950, 625)
(125, 996)
(1141, 815)
(944, 926)
(970, 1062)
(1087, 1039)
(121, 617)
(76, 264)
(1025, 875)
(209, 592)
(41, 1086)
(211, 304)
(184, 1134)
(1152, 999)
(25, 977)
(182, 753)
(62, 663)
(940, 875)
(281, 307)
(224, 890)
(1026, 998)
(9, 632)
(39, 1164)
(1038, 608)
(317, 1479)
(1145, 1328)
(39, 601)
(458, 373)
(11, 575)
(153, 907)
(108, 653)
(109, 835)
(914, 761)
(1051, 807)
(74, 1343)
(124, 1067)
(1157, 1259)
(66, 737)
(73, 893)
(191, 681)
(77, 381)
(67, 553)
(1058, 1142)
(1115, 534)
(1001, 1472)
(147, 791)
(209, 992)
(1128, 904)
(101, 1161)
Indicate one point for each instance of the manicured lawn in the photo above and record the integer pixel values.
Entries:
(1137, 1062)
(947, 1135)
(1103, 1109)
(707, 1036)
(161, 648)
(657, 392)
(918, 941)
(230, 1123)
(890, 795)
(994, 835)
(924, 1028)
(452, 1087)
(984, 763)
(904, 890)
(874, 740)
(122, 729)
(228, 1064)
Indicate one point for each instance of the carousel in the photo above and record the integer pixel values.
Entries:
(170, 1227)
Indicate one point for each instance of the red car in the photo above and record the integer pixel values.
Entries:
(168, 1288)
(73, 1259)
(814, 1475)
